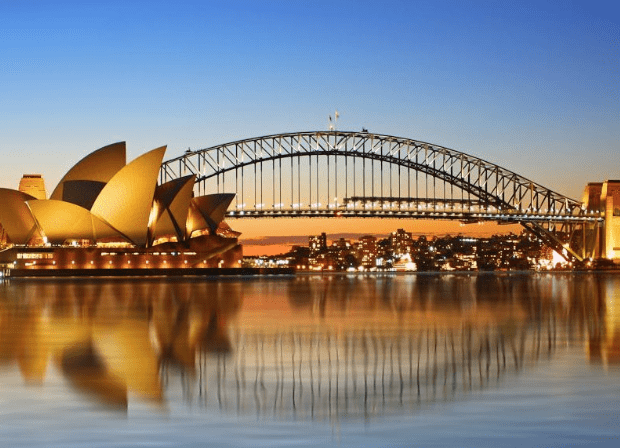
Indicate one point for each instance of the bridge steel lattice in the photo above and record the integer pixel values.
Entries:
(361, 174)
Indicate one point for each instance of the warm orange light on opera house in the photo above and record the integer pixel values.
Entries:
(109, 214)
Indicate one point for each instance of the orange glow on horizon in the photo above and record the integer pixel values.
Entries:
(269, 249)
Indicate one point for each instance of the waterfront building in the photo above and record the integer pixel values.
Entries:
(603, 241)
(404, 264)
(106, 213)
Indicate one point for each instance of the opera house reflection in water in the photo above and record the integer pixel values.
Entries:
(315, 347)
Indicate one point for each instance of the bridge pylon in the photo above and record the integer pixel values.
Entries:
(601, 239)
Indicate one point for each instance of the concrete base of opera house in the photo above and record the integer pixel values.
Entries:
(202, 255)
(149, 272)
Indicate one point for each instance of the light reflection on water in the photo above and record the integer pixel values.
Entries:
(180, 360)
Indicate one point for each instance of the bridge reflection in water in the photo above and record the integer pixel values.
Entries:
(322, 375)
(307, 347)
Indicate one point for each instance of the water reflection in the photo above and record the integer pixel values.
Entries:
(111, 338)
(88, 372)
(320, 347)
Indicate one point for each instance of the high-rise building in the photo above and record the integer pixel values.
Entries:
(367, 251)
(317, 244)
(341, 249)
(401, 242)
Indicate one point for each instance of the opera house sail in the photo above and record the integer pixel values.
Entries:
(107, 214)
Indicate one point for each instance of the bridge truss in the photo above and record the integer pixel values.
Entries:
(360, 174)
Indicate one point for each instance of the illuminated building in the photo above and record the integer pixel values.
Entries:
(341, 250)
(317, 244)
(400, 242)
(367, 251)
(610, 201)
(109, 214)
(603, 241)
(318, 249)
(34, 185)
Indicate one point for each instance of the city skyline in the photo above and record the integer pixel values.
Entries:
(403, 251)
(533, 88)
(278, 244)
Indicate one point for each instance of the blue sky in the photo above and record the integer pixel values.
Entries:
(534, 88)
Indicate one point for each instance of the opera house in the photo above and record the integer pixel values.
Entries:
(109, 214)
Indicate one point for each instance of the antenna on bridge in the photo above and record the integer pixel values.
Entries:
(333, 125)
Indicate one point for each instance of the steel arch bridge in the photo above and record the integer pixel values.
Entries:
(361, 174)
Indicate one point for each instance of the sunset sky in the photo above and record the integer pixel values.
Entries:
(532, 87)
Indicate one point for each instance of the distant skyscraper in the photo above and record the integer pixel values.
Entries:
(317, 244)
(34, 185)
(341, 248)
(367, 252)
(401, 242)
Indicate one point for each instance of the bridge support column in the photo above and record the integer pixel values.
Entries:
(599, 240)
(610, 199)
(583, 241)
(604, 197)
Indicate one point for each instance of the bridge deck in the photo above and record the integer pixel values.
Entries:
(509, 216)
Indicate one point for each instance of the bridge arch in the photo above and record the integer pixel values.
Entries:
(362, 174)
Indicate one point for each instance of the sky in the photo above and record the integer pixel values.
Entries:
(531, 86)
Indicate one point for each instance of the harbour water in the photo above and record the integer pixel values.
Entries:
(504, 359)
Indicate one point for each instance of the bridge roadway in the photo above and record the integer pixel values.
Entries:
(464, 211)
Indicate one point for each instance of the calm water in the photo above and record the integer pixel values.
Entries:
(395, 360)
